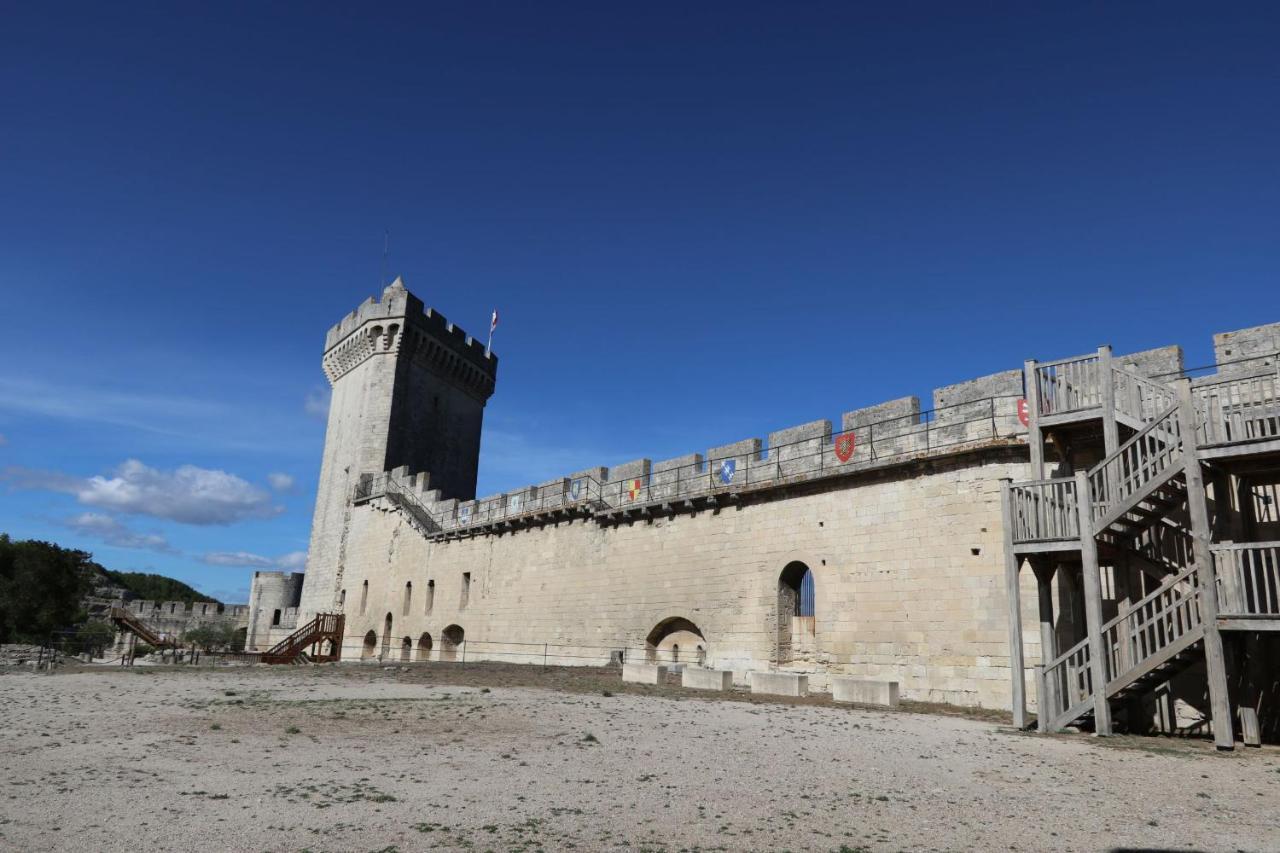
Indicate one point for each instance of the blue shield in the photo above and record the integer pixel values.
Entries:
(728, 468)
(575, 489)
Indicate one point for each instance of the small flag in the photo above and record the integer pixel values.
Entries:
(493, 324)
(633, 489)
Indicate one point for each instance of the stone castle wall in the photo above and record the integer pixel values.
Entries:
(908, 572)
(905, 550)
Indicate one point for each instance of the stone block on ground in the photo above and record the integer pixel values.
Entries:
(780, 683)
(643, 673)
(865, 692)
(706, 679)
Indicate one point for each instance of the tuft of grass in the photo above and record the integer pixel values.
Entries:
(590, 738)
(215, 727)
(293, 730)
(606, 694)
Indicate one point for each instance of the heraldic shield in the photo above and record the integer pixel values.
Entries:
(844, 446)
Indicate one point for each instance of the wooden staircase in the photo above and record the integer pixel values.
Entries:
(1144, 506)
(1159, 636)
(293, 648)
(126, 621)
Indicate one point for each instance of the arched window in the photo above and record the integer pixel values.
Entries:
(451, 639)
(342, 600)
(406, 649)
(386, 636)
(370, 647)
(408, 597)
(664, 641)
(466, 590)
(431, 595)
(797, 600)
(364, 596)
(424, 647)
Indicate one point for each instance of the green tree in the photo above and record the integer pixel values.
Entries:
(213, 635)
(156, 587)
(41, 588)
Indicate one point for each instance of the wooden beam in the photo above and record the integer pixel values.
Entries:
(1110, 429)
(1243, 623)
(1093, 607)
(1012, 563)
(1046, 692)
(1031, 387)
(1215, 658)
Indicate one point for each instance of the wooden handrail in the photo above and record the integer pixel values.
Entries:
(1135, 464)
(1133, 640)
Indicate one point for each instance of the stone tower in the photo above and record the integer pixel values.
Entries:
(409, 389)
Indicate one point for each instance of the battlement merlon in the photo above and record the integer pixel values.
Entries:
(400, 322)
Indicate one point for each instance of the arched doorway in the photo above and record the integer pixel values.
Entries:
(386, 637)
(370, 646)
(424, 647)
(451, 639)
(796, 602)
(665, 640)
(406, 649)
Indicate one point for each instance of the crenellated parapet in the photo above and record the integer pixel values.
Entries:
(400, 323)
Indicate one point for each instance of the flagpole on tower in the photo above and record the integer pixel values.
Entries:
(493, 324)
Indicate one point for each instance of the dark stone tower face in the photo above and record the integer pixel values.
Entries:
(409, 389)
(412, 386)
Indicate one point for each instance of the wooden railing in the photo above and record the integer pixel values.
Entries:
(1044, 510)
(1140, 398)
(1248, 578)
(1145, 457)
(323, 626)
(1066, 686)
(1165, 618)
(1154, 629)
(1069, 384)
(1238, 410)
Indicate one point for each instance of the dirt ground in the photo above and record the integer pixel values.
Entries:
(510, 758)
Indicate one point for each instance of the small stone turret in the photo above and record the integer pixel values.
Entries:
(409, 390)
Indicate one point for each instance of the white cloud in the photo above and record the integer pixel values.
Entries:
(113, 532)
(189, 494)
(316, 403)
(280, 482)
(291, 562)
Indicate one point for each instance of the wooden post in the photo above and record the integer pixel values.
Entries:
(1215, 658)
(1042, 710)
(1093, 607)
(1012, 563)
(1032, 389)
(1046, 691)
(1110, 430)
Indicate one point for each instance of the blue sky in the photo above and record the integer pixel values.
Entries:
(700, 222)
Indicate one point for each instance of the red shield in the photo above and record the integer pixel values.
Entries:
(1022, 411)
(844, 446)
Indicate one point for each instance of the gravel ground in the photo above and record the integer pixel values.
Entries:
(513, 758)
